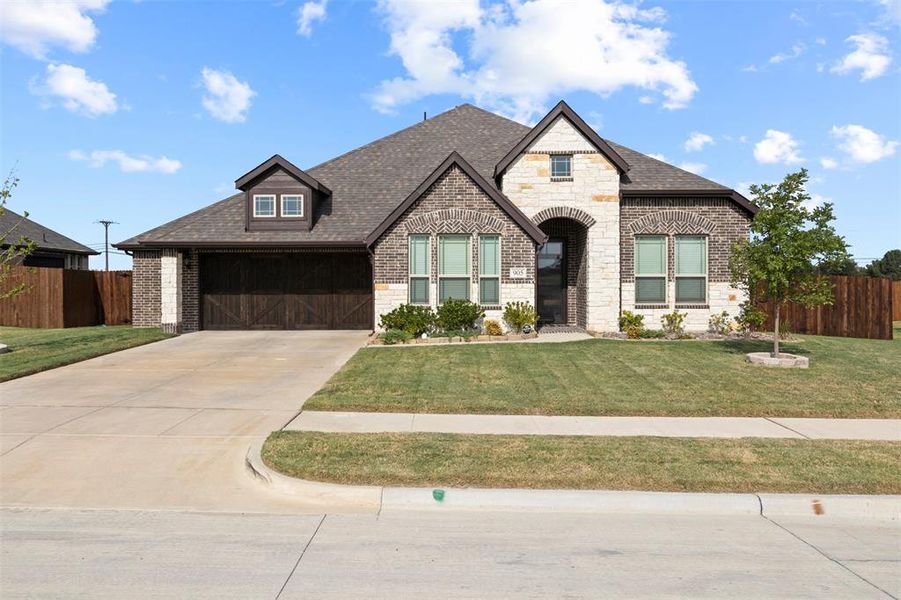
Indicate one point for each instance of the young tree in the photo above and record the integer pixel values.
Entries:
(12, 250)
(780, 261)
(887, 266)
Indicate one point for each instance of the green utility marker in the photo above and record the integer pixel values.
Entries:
(438, 495)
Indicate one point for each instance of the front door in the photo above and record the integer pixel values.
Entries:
(552, 282)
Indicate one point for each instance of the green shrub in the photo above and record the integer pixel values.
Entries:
(673, 323)
(395, 336)
(492, 327)
(459, 315)
(519, 314)
(632, 324)
(749, 318)
(652, 334)
(720, 323)
(410, 318)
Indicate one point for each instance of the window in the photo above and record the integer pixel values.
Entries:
(650, 269)
(454, 258)
(561, 165)
(292, 205)
(420, 269)
(264, 205)
(490, 270)
(691, 269)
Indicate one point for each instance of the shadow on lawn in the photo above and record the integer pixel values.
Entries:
(746, 346)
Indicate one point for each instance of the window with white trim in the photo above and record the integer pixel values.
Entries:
(490, 270)
(292, 205)
(691, 269)
(454, 258)
(264, 205)
(561, 165)
(420, 269)
(650, 269)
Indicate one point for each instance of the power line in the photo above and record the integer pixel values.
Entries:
(106, 225)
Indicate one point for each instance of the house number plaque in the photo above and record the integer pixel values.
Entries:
(518, 273)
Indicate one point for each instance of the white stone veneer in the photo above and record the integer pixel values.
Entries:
(170, 290)
(722, 296)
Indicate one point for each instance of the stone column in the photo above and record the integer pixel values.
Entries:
(170, 291)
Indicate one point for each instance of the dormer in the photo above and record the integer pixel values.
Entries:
(280, 196)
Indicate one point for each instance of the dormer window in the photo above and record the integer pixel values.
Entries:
(292, 205)
(264, 205)
(561, 165)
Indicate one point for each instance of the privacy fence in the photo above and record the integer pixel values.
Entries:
(896, 301)
(862, 309)
(63, 298)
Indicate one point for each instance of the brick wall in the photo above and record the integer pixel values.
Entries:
(146, 288)
(190, 299)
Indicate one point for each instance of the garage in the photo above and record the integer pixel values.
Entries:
(298, 290)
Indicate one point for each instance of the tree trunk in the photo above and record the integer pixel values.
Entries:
(776, 330)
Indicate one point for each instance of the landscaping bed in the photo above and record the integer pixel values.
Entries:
(610, 463)
(847, 378)
(35, 350)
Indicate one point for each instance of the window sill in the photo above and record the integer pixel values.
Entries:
(650, 306)
(491, 306)
(561, 178)
(695, 306)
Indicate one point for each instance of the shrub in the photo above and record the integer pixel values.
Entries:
(673, 323)
(785, 330)
(410, 318)
(519, 314)
(459, 314)
(720, 323)
(492, 327)
(652, 334)
(632, 324)
(395, 336)
(749, 318)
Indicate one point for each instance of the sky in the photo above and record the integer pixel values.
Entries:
(141, 112)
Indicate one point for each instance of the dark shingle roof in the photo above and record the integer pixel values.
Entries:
(16, 227)
(368, 183)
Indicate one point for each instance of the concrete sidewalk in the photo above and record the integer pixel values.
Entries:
(711, 427)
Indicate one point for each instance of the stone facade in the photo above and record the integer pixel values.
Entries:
(454, 204)
(593, 190)
(719, 219)
(145, 291)
(171, 291)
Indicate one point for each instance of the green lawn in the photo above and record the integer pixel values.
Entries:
(613, 463)
(35, 350)
(847, 378)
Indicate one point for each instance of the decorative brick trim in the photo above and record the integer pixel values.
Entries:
(564, 212)
(549, 152)
(672, 222)
(453, 220)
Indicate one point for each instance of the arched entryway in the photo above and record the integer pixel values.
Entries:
(562, 267)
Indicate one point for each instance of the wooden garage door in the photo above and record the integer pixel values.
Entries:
(313, 290)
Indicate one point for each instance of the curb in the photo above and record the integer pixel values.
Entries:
(386, 499)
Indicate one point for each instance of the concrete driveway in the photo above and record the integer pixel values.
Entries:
(163, 426)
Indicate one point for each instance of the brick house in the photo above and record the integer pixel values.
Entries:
(466, 204)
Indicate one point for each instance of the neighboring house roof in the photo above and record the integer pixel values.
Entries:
(14, 226)
(369, 183)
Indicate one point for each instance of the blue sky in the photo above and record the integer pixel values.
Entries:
(140, 112)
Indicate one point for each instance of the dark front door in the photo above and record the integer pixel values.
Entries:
(316, 290)
(552, 282)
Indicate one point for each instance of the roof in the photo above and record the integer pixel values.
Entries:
(16, 226)
(278, 162)
(369, 183)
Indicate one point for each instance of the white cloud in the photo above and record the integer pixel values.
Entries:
(862, 145)
(891, 12)
(815, 201)
(514, 56)
(646, 99)
(796, 51)
(693, 167)
(77, 92)
(750, 69)
(777, 147)
(309, 13)
(870, 57)
(226, 98)
(743, 188)
(828, 163)
(128, 164)
(697, 140)
(35, 27)
(658, 156)
(796, 16)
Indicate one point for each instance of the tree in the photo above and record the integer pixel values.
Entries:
(844, 265)
(12, 251)
(887, 266)
(788, 242)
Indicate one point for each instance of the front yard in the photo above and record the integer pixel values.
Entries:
(847, 378)
(35, 350)
(612, 463)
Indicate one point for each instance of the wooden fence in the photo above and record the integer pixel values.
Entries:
(62, 298)
(896, 301)
(862, 308)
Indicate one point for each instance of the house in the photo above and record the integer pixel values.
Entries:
(52, 249)
(467, 204)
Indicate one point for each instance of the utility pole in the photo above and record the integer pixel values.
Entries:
(106, 225)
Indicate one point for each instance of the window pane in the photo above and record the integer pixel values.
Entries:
(650, 255)
(691, 289)
(489, 291)
(561, 165)
(264, 206)
(419, 255)
(419, 290)
(453, 255)
(489, 255)
(691, 255)
(292, 206)
(650, 289)
(453, 288)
